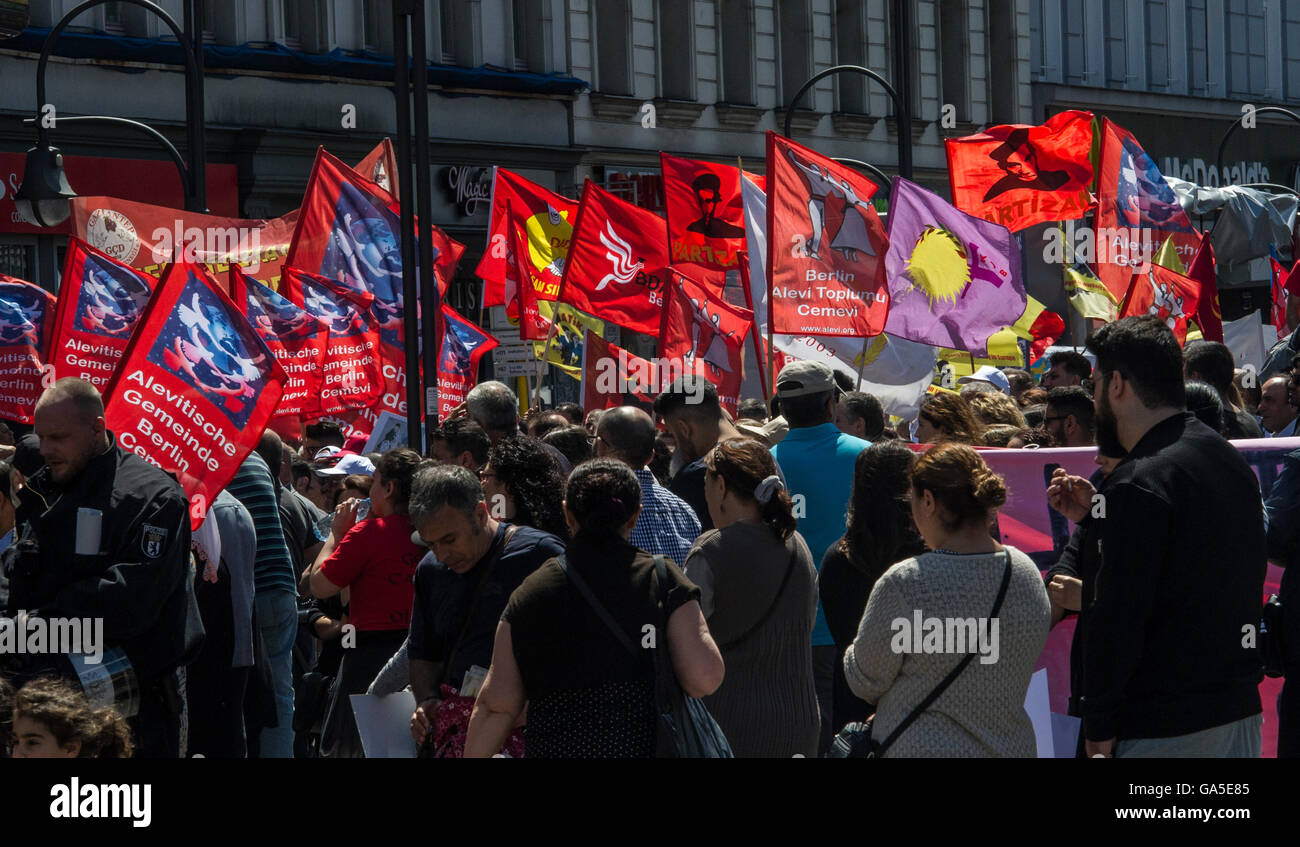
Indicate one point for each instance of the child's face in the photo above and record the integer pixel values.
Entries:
(31, 740)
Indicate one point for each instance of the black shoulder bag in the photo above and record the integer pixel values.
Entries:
(684, 727)
(854, 741)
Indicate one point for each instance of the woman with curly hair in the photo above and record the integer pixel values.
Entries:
(523, 486)
(879, 533)
(947, 417)
(53, 720)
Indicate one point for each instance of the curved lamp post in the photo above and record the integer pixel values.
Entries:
(900, 109)
(1236, 125)
(43, 198)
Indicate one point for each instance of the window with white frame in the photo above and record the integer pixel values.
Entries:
(851, 49)
(1198, 52)
(736, 41)
(1157, 26)
(1116, 50)
(1291, 49)
(954, 57)
(1074, 42)
(613, 46)
(676, 30)
(794, 37)
(1247, 66)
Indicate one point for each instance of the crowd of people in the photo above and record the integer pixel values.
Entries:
(528, 579)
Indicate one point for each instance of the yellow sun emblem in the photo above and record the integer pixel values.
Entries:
(939, 266)
(549, 234)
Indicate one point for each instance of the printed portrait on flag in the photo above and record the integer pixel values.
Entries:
(463, 344)
(111, 299)
(25, 310)
(295, 338)
(365, 254)
(706, 217)
(827, 245)
(212, 353)
(1143, 198)
(351, 371)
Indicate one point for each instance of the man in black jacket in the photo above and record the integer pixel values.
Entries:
(1170, 664)
(104, 534)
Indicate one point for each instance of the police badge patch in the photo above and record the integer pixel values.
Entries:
(152, 540)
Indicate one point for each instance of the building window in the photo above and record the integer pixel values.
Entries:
(1246, 49)
(291, 24)
(1116, 49)
(794, 32)
(1291, 49)
(736, 37)
(613, 46)
(851, 49)
(447, 30)
(1157, 23)
(954, 57)
(374, 21)
(1198, 69)
(676, 49)
(519, 21)
(1076, 57)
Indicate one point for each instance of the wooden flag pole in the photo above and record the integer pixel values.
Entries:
(541, 360)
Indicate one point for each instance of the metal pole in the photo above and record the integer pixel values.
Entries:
(195, 116)
(410, 293)
(900, 106)
(901, 22)
(430, 299)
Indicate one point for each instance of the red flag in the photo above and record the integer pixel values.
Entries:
(26, 324)
(707, 335)
(1046, 328)
(463, 344)
(826, 247)
(1284, 282)
(294, 336)
(1019, 175)
(1208, 316)
(100, 300)
(380, 167)
(532, 325)
(543, 221)
(1170, 296)
(618, 260)
(351, 373)
(1137, 211)
(706, 218)
(196, 385)
(609, 372)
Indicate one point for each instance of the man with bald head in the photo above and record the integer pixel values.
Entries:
(1276, 414)
(104, 534)
(667, 525)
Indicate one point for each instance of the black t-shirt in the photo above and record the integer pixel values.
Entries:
(442, 599)
(560, 642)
(689, 485)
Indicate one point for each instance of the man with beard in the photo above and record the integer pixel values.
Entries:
(1166, 671)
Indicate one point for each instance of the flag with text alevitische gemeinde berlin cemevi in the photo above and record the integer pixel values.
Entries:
(100, 300)
(195, 387)
(463, 344)
(954, 279)
(295, 337)
(826, 246)
(1019, 175)
(352, 375)
(26, 324)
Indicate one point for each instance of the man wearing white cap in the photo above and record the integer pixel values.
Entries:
(990, 375)
(817, 461)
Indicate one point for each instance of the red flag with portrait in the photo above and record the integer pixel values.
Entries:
(1166, 294)
(295, 337)
(707, 335)
(826, 245)
(618, 262)
(706, 218)
(195, 387)
(26, 324)
(351, 373)
(100, 300)
(1019, 175)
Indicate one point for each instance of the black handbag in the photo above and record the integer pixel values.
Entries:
(684, 728)
(854, 741)
(1272, 650)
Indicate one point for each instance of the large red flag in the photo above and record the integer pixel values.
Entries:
(1137, 212)
(543, 220)
(294, 336)
(351, 372)
(1208, 316)
(826, 246)
(1166, 294)
(707, 335)
(609, 372)
(100, 300)
(706, 218)
(196, 385)
(26, 324)
(618, 261)
(1019, 175)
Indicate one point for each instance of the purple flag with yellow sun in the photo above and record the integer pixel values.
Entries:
(954, 279)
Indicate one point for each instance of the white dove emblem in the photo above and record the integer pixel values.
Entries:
(619, 252)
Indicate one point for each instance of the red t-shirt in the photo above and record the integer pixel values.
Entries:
(376, 561)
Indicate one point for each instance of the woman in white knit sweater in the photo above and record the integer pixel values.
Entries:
(927, 612)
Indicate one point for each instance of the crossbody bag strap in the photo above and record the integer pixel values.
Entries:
(952, 674)
(601, 612)
(489, 566)
(780, 592)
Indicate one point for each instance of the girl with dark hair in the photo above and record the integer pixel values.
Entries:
(1204, 402)
(879, 533)
(758, 590)
(374, 559)
(968, 597)
(53, 720)
(523, 486)
(587, 676)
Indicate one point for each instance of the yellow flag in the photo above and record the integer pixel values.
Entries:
(565, 350)
(1089, 296)
(1167, 257)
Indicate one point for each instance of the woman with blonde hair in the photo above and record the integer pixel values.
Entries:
(947, 417)
(950, 638)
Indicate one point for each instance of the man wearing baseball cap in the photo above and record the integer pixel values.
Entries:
(817, 461)
(991, 375)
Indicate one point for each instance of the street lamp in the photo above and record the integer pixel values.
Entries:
(43, 198)
(1237, 124)
(900, 108)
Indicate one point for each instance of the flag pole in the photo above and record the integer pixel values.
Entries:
(541, 360)
(754, 333)
(862, 361)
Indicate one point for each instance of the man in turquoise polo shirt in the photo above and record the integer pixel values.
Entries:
(817, 461)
